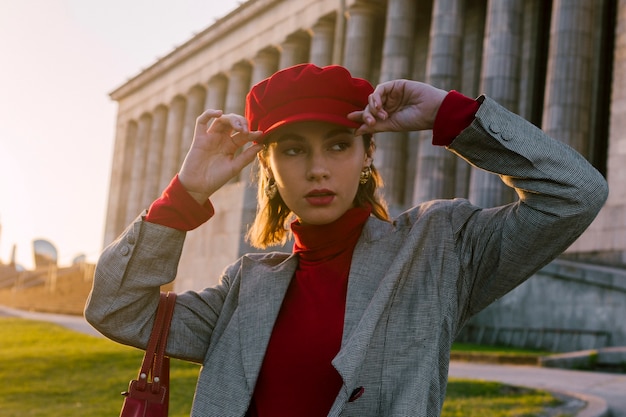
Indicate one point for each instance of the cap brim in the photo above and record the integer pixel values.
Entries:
(309, 117)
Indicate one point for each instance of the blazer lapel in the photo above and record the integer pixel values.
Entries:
(361, 284)
(363, 290)
(263, 288)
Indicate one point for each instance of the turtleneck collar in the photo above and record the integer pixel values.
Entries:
(315, 243)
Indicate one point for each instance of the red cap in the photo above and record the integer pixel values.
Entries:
(306, 92)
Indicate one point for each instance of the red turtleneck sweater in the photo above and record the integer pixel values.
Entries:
(307, 335)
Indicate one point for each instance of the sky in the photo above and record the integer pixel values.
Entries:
(59, 60)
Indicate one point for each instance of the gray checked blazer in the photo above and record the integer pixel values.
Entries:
(413, 282)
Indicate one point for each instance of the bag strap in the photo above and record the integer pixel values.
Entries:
(152, 364)
(158, 369)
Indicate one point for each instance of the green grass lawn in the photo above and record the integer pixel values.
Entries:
(49, 371)
(497, 350)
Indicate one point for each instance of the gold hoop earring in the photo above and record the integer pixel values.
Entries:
(365, 176)
(271, 189)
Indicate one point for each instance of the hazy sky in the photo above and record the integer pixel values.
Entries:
(59, 60)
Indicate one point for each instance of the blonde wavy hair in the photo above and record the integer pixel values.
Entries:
(271, 223)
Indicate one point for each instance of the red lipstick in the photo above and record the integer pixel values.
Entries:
(321, 197)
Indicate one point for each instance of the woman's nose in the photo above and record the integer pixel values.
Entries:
(317, 167)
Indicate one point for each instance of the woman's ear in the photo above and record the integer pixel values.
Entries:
(371, 149)
(267, 171)
(369, 158)
(262, 161)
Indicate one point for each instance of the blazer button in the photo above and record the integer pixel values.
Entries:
(495, 128)
(356, 394)
(506, 135)
(130, 239)
(124, 250)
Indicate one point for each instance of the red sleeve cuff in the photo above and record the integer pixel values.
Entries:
(455, 114)
(178, 210)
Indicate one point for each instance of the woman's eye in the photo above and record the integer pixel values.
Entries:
(340, 146)
(293, 151)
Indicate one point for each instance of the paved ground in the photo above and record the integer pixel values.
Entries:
(610, 387)
(77, 323)
(590, 385)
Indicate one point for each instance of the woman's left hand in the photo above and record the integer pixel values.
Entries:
(398, 106)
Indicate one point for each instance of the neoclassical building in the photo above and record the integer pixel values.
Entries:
(558, 63)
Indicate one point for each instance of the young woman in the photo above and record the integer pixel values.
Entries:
(358, 320)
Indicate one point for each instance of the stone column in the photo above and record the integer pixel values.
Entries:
(390, 156)
(500, 79)
(603, 25)
(138, 168)
(195, 107)
(216, 92)
(473, 42)
(238, 87)
(567, 103)
(607, 235)
(322, 41)
(120, 179)
(617, 142)
(154, 156)
(534, 51)
(436, 166)
(420, 58)
(240, 75)
(340, 33)
(359, 42)
(473, 38)
(173, 137)
(295, 49)
(265, 63)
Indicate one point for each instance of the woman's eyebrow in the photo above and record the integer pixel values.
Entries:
(339, 131)
(289, 136)
(297, 137)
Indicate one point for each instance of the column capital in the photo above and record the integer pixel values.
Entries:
(325, 23)
(295, 49)
(270, 52)
(218, 79)
(299, 36)
(240, 66)
(323, 40)
(365, 7)
(265, 63)
(177, 100)
(196, 92)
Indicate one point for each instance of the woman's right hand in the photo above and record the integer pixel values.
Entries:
(399, 106)
(214, 156)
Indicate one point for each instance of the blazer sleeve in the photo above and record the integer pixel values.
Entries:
(559, 191)
(125, 293)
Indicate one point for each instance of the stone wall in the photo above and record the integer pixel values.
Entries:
(565, 306)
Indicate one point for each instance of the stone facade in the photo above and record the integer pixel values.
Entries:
(564, 307)
(558, 63)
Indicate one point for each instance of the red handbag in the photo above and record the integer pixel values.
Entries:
(148, 395)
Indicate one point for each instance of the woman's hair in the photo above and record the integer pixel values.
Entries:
(270, 226)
